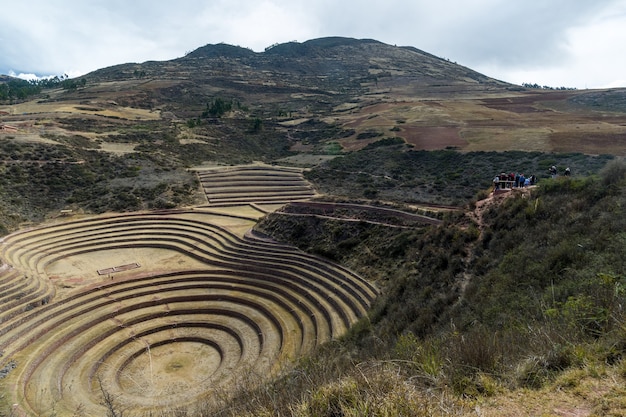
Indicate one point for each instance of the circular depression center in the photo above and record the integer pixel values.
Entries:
(169, 368)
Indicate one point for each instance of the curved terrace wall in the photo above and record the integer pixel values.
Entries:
(203, 307)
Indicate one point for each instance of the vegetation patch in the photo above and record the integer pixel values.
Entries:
(441, 177)
(526, 300)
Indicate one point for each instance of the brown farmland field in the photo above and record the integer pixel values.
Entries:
(544, 121)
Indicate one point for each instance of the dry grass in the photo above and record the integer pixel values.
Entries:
(595, 390)
(394, 388)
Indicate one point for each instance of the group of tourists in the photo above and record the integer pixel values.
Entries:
(513, 180)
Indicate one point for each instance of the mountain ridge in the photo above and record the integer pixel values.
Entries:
(326, 56)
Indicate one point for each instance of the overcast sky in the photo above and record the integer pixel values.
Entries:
(570, 43)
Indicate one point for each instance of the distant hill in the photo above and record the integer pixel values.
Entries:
(332, 63)
(297, 103)
(313, 78)
(354, 57)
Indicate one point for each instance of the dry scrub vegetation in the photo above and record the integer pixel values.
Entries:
(522, 315)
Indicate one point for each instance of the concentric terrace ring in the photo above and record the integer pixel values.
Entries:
(197, 310)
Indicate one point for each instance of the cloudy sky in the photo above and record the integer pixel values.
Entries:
(571, 43)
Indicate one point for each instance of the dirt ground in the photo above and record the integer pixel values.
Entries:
(74, 273)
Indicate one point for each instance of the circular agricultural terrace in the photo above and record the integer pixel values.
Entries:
(156, 310)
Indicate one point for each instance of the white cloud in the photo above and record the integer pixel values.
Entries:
(253, 25)
(30, 77)
(587, 56)
(596, 50)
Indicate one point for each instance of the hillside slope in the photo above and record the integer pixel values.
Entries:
(520, 314)
(295, 103)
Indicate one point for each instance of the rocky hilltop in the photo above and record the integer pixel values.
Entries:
(317, 75)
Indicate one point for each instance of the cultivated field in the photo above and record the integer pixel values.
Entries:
(169, 309)
(543, 121)
(254, 184)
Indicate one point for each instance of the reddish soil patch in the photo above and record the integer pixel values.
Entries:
(431, 132)
(524, 104)
(359, 122)
(589, 142)
(431, 138)
(523, 101)
(517, 108)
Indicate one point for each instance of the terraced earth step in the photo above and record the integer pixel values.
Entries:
(225, 303)
(253, 182)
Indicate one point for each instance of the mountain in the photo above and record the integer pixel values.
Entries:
(346, 63)
(342, 60)
(316, 75)
(6, 78)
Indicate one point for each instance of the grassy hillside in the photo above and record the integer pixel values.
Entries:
(441, 177)
(41, 179)
(526, 303)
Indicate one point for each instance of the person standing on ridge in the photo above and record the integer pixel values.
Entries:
(496, 182)
(552, 171)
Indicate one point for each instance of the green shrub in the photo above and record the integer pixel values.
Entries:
(613, 173)
(536, 370)
(421, 357)
(385, 142)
